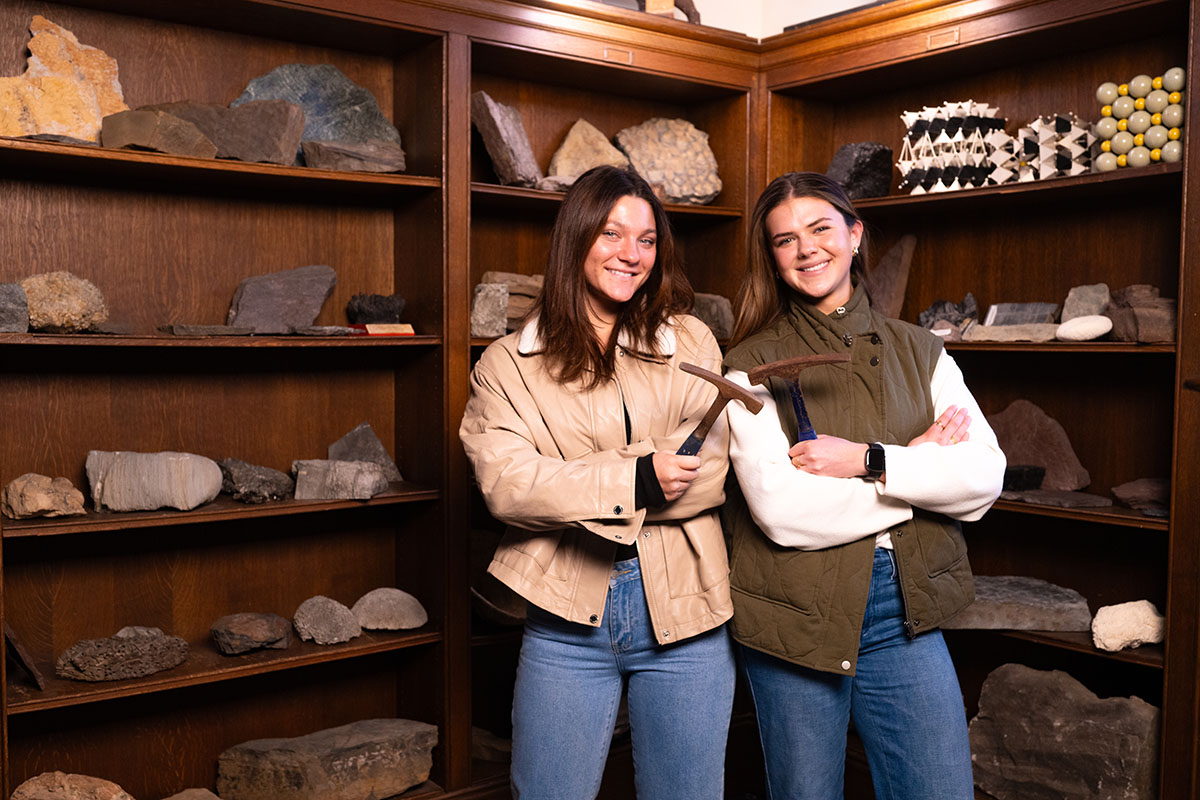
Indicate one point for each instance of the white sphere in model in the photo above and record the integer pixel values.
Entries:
(1172, 151)
(1173, 79)
(1122, 143)
(1106, 93)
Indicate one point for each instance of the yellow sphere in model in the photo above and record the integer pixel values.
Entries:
(1156, 154)
(1121, 160)
(1156, 119)
(1139, 103)
(1174, 134)
(1157, 82)
(1175, 97)
(1123, 89)
(1138, 140)
(1106, 111)
(1122, 124)
(1106, 145)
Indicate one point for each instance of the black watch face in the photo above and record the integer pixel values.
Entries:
(875, 459)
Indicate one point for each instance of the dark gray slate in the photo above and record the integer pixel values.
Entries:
(361, 444)
(367, 308)
(246, 631)
(320, 479)
(1086, 301)
(1042, 735)
(132, 652)
(371, 758)
(1021, 314)
(954, 313)
(1017, 602)
(325, 330)
(325, 621)
(373, 156)
(14, 309)
(208, 330)
(157, 131)
(266, 131)
(281, 302)
(1028, 435)
(251, 483)
(864, 169)
(505, 139)
(336, 109)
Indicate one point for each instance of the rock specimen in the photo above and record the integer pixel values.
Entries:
(716, 312)
(1042, 734)
(1016, 602)
(505, 139)
(584, 147)
(956, 316)
(1028, 332)
(522, 292)
(389, 609)
(489, 310)
(1028, 435)
(245, 631)
(487, 746)
(33, 495)
(888, 279)
(367, 308)
(864, 169)
(14, 309)
(1127, 625)
(206, 330)
(324, 621)
(375, 155)
(1059, 497)
(361, 444)
(254, 484)
(1084, 329)
(60, 302)
(193, 794)
(128, 481)
(319, 479)
(1151, 496)
(132, 652)
(1140, 315)
(157, 131)
(64, 786)
(261, 131)
(368, 758)
(281, 302)
(67, 88)
(673, 155)
(336, 109)
(1085, 301)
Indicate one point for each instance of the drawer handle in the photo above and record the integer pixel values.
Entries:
(617, 54)
(940, 39)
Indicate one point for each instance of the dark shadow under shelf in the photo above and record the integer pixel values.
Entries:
(1126, 517)
(165, 340)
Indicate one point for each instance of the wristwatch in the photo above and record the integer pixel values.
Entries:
(874, 461)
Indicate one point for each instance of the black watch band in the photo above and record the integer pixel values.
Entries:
(873, 461)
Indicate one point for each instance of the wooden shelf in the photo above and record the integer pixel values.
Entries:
(494, 196)
(1150, 655)
(1126, 517)
(165, 340)
(222, 509)
(1059, 347)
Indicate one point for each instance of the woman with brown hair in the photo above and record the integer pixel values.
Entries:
(572, 429)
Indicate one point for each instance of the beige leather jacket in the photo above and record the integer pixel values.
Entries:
(553, 463)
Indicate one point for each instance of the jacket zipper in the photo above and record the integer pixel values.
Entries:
(909, 629)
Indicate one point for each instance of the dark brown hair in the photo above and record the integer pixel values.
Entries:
(568, 338)
(762, 297)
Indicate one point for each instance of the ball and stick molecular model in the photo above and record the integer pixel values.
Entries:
(1140, 121)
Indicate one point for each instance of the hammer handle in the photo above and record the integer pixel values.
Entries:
(804, 428)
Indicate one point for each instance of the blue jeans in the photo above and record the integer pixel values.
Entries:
(569, 683)
(904, 699)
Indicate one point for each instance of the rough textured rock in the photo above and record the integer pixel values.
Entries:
(33, 495)
(1127, 625)
(1016, 602)
(261, 131)
(487, 746)
(245, 631)
(1151, 496)
(864, 169)
(280, 302)
(375, 155)
(555, 183)
(716, 312)
(389, 609)
(14, 309)
(251, 483)
(367, 308)
(128, 481)
(505, 139)
(157, 131)
(954, 313)
(371, 758)
(132, 652)
(1028, 332)
(489, 310)
(673, 155)
(1085, 301)
(522, 292)
(67, 87)
(325, 621)
(64, 786)
(336, 109)
(361, 444)
(60, 302)
(208, 330)
(888, 279)
(1028, 435)
(1042, 735)
(1084, 329)
(320, 479)
(584, 147)
(1140, 315)
(193, 794)
(1059, 497)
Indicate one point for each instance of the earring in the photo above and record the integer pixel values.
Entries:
(855, 249)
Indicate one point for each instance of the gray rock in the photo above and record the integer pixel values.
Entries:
(266, 131)
(489, 310)
(954, 313)
(371, 758)
(1030, 332)
(555, 183)
(325, 330)
(523, 291)
(1084, 329)
(716, 312)
(60, 302)
(487, 746)
(1028, 435)
(319, 479)
(64, 786)
(33, 495)
(1042, 735)
(254, 484)
(193, 794)
(127, 481)
(673, 156)
(367, 308)
(132, 652)
(361, 444)
(1085, 301)
(1151, 496)
(389, 609)
(1016, 602)
(506, 141)
(375, 155)
(1060, 498)
(1021, 313)
(324, 621)
(1140, 315)
(245, 631)
(209, 330)
(1127, 625)
(157, 131)
(888, 279)
(584, 147)
(336, 109)
(14, 309)
(280, 302)
(864, 169)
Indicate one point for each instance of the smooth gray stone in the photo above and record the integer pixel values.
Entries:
(389, 609)
(14, 309)
(324, 621)
(60, 302)
(1028, 435)
(281, 302)
(673, 156)
(489, 310)
(1059, 497)
(209, 330)
(506, 141)
(34, 495)
(251, 483)
(1086, 301)
(371, 758)
(584, 147)
(716, 312)
(128, 481)
(134, 651)
(373, 156)
(157, 131)
(245, 631)
(367, 308)
(320, 479)
(63, 786)
(864, 169)
(1042, 735)
(1016, 602)
(361, 444)
(1084, 329)
(263, 131)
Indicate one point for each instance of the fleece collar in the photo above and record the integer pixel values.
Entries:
(529, 340)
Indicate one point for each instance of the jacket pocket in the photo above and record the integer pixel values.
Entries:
(942, 545)
(779, 575)
(694, 555)
(540, 548)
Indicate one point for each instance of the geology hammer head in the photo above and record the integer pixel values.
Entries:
(726, 390)
(789, 369)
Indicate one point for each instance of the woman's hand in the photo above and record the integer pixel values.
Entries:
(829, 456)
(951, 427)
(675, 473)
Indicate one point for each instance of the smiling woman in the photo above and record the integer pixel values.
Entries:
(619, 262)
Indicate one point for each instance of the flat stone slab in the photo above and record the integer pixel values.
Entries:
(373, 156)
(322, 479)
(260, 131)
(505, 140)
(251, 483)
(389, 609)
(1059, 498)
(34, 495)
(239, 633)
(208, 330)
(1017, 602)
(362, 444)
(156, 131)
(66, 786)
(133, 652)
(281, 302)
(128, 481)
(1027, 332)
(60, 302)
(323, 620)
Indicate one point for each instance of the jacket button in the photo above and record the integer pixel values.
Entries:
(618, 509)
(845, 665)
(875, 338)
(874, 361)
(666, 634)
(916, 623)
(848, 339)
(593, 619)
(646, 534)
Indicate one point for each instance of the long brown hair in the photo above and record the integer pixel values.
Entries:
(568, 338)
(762, 296)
